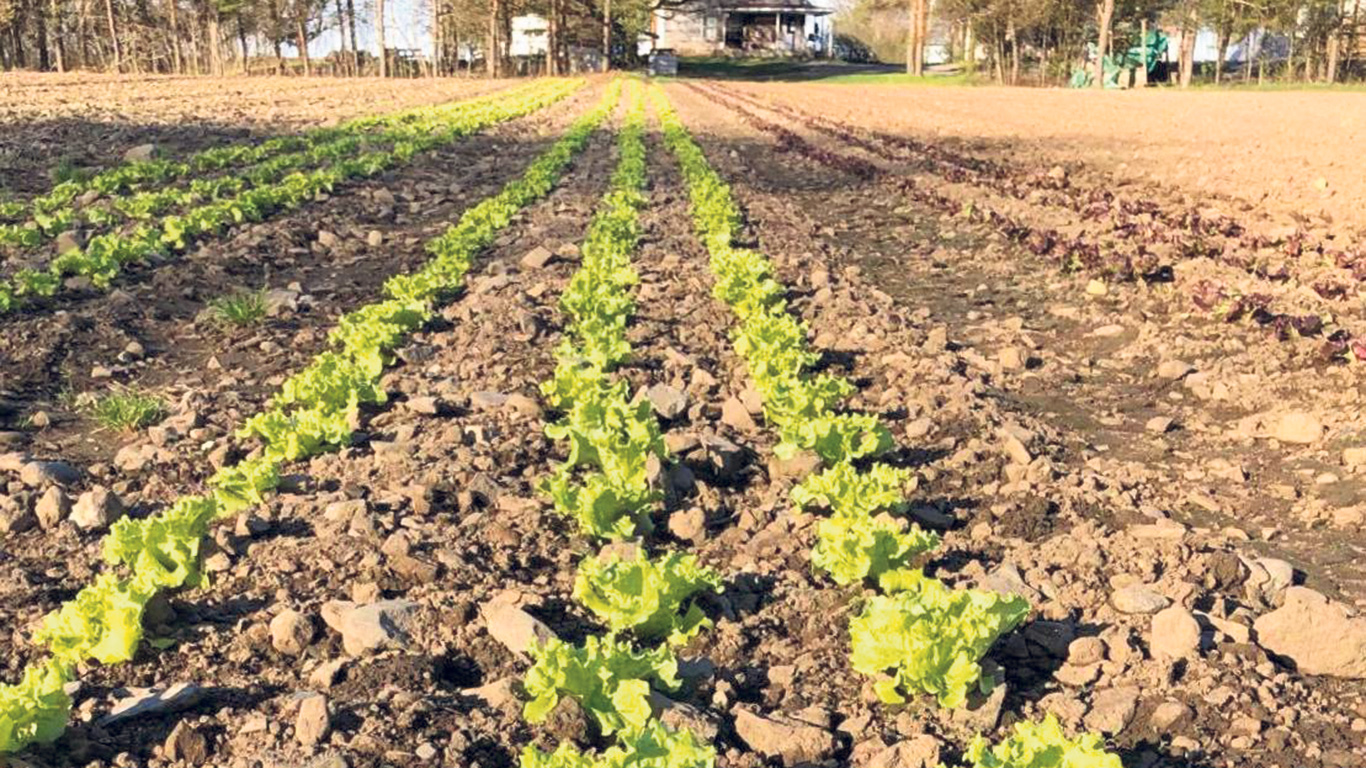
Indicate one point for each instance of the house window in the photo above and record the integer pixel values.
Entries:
(711, 27)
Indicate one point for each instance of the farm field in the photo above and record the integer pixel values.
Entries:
(682, 424)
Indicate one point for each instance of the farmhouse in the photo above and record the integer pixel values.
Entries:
(757, 27)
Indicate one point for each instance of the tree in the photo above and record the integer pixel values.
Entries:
(379, 36)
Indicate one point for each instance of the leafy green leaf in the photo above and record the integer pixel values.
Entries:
(930, 637)
(650, 597)
(609, 678)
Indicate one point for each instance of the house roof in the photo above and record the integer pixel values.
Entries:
(773, 6)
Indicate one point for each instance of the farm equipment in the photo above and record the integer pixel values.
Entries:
(1119, 68)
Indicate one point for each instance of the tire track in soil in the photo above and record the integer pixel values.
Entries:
(185, 354)
(447, 456)
(1103, 391)
(1093, 532)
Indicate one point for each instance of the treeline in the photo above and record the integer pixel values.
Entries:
(274, 36)
(1045, 41)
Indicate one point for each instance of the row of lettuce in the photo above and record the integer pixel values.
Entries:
(28, 223)
(919, 636)
(271, 188)
(313, 412)
(612, 439)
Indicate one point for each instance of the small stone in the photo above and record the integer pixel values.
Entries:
(499, 694)
(187, 745)
(147, 702)
(314, 721)
(142, 153)
(1321, 636)
(426, 752)
(67, 242)
(1174, 369)
(39, 474)
(97, 509)
(1138, 599)
(667, 401)
(325, 675)
(1281, 574)
(374, 238)
(1354, 457)
(1297, 427)
(15, 516)
(1077, 676)
(291, 632)
(1096, 287)
(688, 524)
(328, 239)
(792, 740)
(537, 258)
(1175, 633)
(1086, 650)
(735, 414)
(1166, 715)
(1159, 424)
(1112, 709)
(917, 752)
(516, 629)
(378, 625)
(52, 508)
(1011, 359)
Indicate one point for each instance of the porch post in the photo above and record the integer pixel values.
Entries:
(778, 28)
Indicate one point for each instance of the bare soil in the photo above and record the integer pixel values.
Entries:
(90, 120)
(1280, 156)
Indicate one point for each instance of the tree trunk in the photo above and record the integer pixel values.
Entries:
(1014, 52)
(1105, 13)
(342, 58)
(40, 28)
(113, 35)
(552, 41)
(1331, 72)
(1248, 54)
(214, 42)
(969, 48)
(242, 38)
(175, 35)
(606, 35)
(435, 69)
(379, 35)
(1221, 52)
(1187, 61)
(301, 38)
(355, 49)
(913, 37)
(58, 36)
(491, 55)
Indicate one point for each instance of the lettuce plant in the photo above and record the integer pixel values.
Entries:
(931, 638)
(34, 709)
(609, 678)
(1042, 745)
(651, 598)
(656, 746)
(103, 622)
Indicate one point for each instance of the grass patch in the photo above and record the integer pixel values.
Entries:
(125, 409)
(66, 170)
(239, 309)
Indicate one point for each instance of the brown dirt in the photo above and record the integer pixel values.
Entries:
(1263, 152)
(956, 332)
(91, 120)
